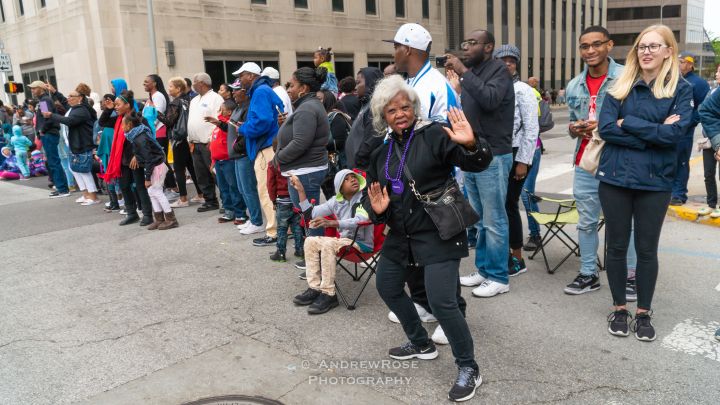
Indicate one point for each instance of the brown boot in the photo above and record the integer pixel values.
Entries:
(170, 221)
(159, 219)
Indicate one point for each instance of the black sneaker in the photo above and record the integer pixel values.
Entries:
(410, 351)
(516, 266)
(533, 243)
(278, 256)
(643, 327)
(307, 297)
(322, 304)
(146, 220)
(302, 275)
(56, 194)
(264, 241)
(466, 383)
(618, 323)
(676, 202)
(112, 208)
(583, 284)
(130, 219)
(300, 254)
(300, 265)
(630, 291)
(207, 207)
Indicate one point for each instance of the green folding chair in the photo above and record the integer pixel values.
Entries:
(555, 220)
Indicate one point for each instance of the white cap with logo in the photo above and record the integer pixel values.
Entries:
(414, 36)
(250, 67)
(271, 72)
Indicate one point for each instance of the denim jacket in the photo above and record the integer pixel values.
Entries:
(578, 95)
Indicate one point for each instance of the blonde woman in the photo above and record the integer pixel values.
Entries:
(646, 113)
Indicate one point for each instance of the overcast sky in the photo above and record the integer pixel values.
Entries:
(712, 16)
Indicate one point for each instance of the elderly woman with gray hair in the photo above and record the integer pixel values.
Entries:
(203, 110)
(427, 153)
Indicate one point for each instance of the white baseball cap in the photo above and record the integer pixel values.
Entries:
(250, 67)
(414, 36)
(271, 72)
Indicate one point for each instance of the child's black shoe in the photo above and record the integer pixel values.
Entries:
(278, 256)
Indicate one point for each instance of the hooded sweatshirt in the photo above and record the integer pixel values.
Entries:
(348, 213)
(363, 139)
(261, 125)
(20, 142)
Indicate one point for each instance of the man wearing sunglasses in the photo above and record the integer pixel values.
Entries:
(488, 99)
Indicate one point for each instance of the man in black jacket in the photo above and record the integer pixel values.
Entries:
(49, 133)
(488, 100)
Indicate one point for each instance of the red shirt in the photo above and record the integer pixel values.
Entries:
(593, 84)
(218, 142)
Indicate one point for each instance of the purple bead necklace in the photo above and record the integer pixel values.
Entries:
(396, 181)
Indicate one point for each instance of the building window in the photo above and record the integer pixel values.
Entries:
(455, 26)
(338, 6)
(301, 4)
(2, 11)
(643, 13)
(46, 74)
(370, 7)
(263, 2)
(564, 16)
(531, 13)
(400, 8)
(221, 67)
(43, 3)
(490, 19)
(426, 9)
(21, 7)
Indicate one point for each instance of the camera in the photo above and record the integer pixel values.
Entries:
(440, 61)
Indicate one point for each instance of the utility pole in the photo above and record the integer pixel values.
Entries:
(151, 29)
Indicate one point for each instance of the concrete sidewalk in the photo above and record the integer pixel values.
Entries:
(697, 197)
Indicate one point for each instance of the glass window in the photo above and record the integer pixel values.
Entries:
(531, 13)
(43, 3)
(426, 9)
(338, 6)
(21, 7)
(490, 19)
(2, 11)
(301, 4)
(400, 8)
(258, 1)
(370, 7)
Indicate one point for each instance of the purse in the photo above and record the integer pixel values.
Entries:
(180, 131)
(590, 159)
(81, 162)
(446, 205)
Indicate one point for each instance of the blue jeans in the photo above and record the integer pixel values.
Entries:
(684, 150)
(585, 191)
(287, 218)
(529, 204)
(247, 185)
(311, 182)
(50, 144)
(232, 200)
(487, 191)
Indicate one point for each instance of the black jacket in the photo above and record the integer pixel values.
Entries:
(148, 153)
(80, 123)
(172, 114)
(413, 237)
(107, 120)
(49, 127)
(352, 105)
(488, 100)
(238, 116)
(363, 139)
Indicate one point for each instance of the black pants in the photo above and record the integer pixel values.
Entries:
(443, 292)
(126, 180)
(205, 180)
(170, 176)
(623, 209)
(710, 165)
(512, 208)
(182, 159)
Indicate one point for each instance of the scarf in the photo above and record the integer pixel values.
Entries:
(116, 151)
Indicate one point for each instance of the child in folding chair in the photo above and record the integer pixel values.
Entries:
(321, 251)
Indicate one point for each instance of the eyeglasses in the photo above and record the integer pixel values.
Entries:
(653, 48)
(595, 45)
(471, 42)
(73, 95)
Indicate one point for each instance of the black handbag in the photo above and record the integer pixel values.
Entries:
(446, 205)
(180, 130)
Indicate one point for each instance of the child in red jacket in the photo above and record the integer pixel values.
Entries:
(224, 168)
(284, 215)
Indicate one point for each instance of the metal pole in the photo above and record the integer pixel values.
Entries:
(151, 29)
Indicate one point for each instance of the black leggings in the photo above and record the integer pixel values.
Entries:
(126, 181)
(512, 208)
(647, 208)
(183, 160)
(710, 165)
(170, 177)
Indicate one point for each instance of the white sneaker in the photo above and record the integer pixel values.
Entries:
(715, 213)
(91, 202)
(80, 200)
(243, 226)
(121, 202)
(198, 200)
(439, 336)
(705, 211)
(180, 204)
(425, 316)
(251, 229)
(490, 288)
(472, 280)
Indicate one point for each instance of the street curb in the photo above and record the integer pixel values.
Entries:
(691, 214)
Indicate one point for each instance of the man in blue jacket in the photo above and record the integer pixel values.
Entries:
(684, 148)
(259, 130)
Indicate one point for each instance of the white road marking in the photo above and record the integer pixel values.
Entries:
(695, 338)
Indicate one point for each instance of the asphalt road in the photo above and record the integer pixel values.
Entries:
(95, 313)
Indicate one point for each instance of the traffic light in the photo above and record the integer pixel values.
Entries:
(14, 88)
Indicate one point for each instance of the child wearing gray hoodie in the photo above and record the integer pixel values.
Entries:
(321, 251)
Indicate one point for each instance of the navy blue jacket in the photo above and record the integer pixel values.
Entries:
(710, 118)
(641, 154)
(700, 89)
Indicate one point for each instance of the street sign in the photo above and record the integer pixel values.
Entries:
(5, 65)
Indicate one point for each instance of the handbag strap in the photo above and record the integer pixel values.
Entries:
(427, 198)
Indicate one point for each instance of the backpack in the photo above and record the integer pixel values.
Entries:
(332, 142)
(179, 130)
(545, 120)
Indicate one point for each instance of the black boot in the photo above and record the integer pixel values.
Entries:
(114, 205)
(146, 220)
(130, 218)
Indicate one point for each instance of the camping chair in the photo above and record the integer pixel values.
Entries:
(554, 221)
(368, 260)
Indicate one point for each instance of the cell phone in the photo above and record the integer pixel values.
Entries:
(279, 110)
(44, 107)
(440, 61)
